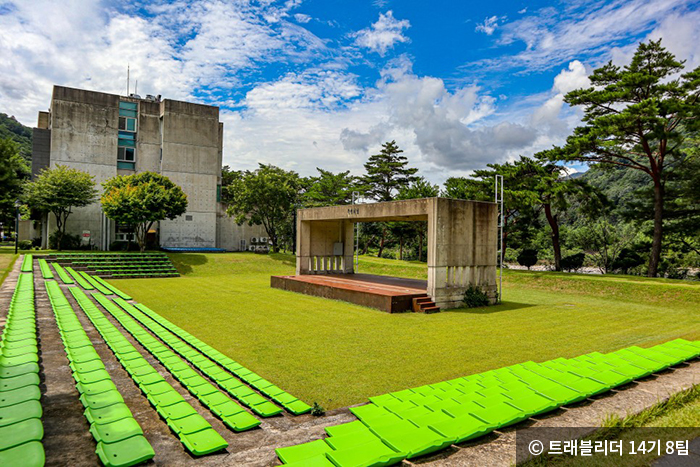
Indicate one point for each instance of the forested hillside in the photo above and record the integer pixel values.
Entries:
(20, 134)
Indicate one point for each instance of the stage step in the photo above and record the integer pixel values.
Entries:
(424, 305)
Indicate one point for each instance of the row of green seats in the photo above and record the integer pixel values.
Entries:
(422, 420)
(96, 284)
(62, 274)
(120, 439)
(233, 386)
(21, 430)
(45, 269)
(286, 400)
(79, 279)
(109, 286)
(232, 414)
(27, 265)
(157, 274)
(195, 433)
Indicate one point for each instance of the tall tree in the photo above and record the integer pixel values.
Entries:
(329, 189)
(140, 200)
(637, 117)
(13, 172)
(387, 173)
(58, 190)
(267, 196)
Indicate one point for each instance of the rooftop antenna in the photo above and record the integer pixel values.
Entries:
(136, 88)
(127, 80)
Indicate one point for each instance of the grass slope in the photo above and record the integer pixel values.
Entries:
(7, 260)
(339, 354)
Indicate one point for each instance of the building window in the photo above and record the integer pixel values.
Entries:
(126, 146)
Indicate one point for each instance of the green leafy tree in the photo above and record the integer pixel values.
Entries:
(416, 231)
(329, 189)
(58, 190)
(638, 117)
(13, 172)
(268, 196)
(140, 200)
(604, 240)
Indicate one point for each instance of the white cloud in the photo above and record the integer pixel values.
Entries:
(576, 30)
(383, 34)
(489, 25)
(549, 115)
(302, 18)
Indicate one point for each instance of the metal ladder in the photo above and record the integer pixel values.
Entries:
(498, 199)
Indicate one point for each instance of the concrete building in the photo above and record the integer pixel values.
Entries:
(108, 135)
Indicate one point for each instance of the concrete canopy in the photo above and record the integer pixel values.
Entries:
(462, 241)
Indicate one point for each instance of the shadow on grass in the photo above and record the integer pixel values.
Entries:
(284, 258)
(505, 306)
(184, 261)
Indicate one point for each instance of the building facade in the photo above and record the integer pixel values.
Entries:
(107, 135)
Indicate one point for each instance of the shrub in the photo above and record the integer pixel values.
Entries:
(69, 242)
(573, 262)
(474, 297)
(25, 245)
(527, 257)
(317, 410)
(626, 260)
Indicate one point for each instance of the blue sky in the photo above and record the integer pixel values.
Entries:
(322, 83)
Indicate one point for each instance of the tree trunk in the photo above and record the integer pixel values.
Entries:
(420, 243)
(554, 225)
(658, 228)
(401, 248)
(381, 243)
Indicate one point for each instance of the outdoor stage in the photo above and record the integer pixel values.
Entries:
(390, 294)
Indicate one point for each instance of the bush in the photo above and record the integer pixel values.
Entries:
(474, 297)
(626, 260)
(317, 410)
(527, 257)
(573, 262)
(25, 245)
(69, 242)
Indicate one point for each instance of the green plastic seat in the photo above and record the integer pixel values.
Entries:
(304, 451)
(318, 461)
(28, 379)
(501, 415)
(266, 409)
(404, 437)
(20, 433)
(370, 413)
(352, 440)
(345, 428)
(178, 410)
(202, 389)
(130, 451)
(157, 388)
(241, 421)
(165, 399)
(103, 399)
(189, 424)
(116, 431)
(203, 442)
(298, 407)
(17, 396)
(109, 414)
(462, 428)
(226, 408)
(372, 452)
(96, 388)
(14, 371)
(86, 367)
(29, 454)
(20, 412)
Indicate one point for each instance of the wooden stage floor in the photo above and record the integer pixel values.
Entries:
(390, 294)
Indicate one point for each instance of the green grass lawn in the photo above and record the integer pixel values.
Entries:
(339, 354)
(7, 260)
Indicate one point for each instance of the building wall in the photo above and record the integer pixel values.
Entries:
(229, 234)
(180, 140)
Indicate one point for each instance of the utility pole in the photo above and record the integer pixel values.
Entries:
(498, 199)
